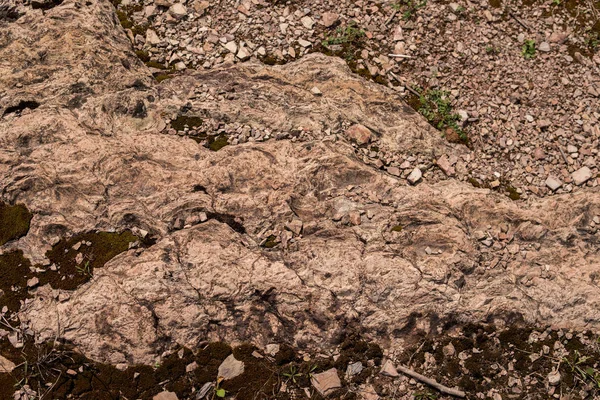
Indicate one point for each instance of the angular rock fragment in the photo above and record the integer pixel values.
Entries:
(326, 382)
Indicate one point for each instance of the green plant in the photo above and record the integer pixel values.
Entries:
(349, 34)
(85, 270)
(425, 395)
(219, 391)
(491, 50)
(435, 106)
(292, 374)
(592, 40)
(556, 2)
(528, 50)
(412, 7)
(311, 371)
(586, 373)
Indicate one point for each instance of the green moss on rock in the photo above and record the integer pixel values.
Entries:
(14, 222)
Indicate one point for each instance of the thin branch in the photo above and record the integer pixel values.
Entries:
(431, 382)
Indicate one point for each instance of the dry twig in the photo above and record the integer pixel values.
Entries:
(431, 382)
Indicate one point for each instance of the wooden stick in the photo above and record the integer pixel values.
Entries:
(431, 382)
(562, 153)
(413, 91)
(399, 56)
(391, 17)
(523, 24)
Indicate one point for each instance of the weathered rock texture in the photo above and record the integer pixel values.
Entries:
(91, 156)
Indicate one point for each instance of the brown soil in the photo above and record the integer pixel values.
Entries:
(65, 273)
(492, 359)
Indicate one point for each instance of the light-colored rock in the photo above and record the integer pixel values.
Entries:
(394, 171)
(231, 46)
(272, 349)
(152, 38)
(33, 282)
(178, 10)
(354, 369)
(553, 182)
(328, 19)
(414, 176)
(544, 46)
(388, 369)
(444, 163)
(449, 350)
(554, 378)
(6, 366)
(304, 43)
(326, 382)
(308, 22)
(368, 393)
(315, 90)
(581, 176)
(166, 396)
(231, 368)
(243, 53)
(359, 134)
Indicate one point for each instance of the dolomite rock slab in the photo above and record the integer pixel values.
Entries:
(92, 156)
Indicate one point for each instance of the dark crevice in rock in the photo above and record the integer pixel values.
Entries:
(23, 104)
(45, 4)
(9, 12)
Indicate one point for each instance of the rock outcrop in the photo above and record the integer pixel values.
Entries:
(83, 146)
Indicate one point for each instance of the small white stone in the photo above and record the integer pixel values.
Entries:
(389, 369)
(308, 22)
(544, 46)
(231, 46)
(553, 183)
(415, 176)
(315, 90)
(178, 10)
(581, 176)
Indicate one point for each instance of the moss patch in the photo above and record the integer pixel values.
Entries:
(14, 273)
(270, 242)
(216, 143)
(14, 222)
(92, 250)
(182, 122)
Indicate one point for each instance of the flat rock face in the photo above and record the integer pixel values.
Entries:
(372, 251)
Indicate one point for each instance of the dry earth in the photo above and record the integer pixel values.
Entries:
(240, 204)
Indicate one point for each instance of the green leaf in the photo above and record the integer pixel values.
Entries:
(590, 371)
(220, 393)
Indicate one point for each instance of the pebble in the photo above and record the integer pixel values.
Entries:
(581, 176)
(354, 369)
(329, 18)
(415, 176)
(33, 282)
(6, 366)
(230, 368)
(388, 369)
(178, 10)
(553, 183)
(326, 382)
(166, 396)
(544, 46)
(554, 378)
(359, 134)
(315, 90)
